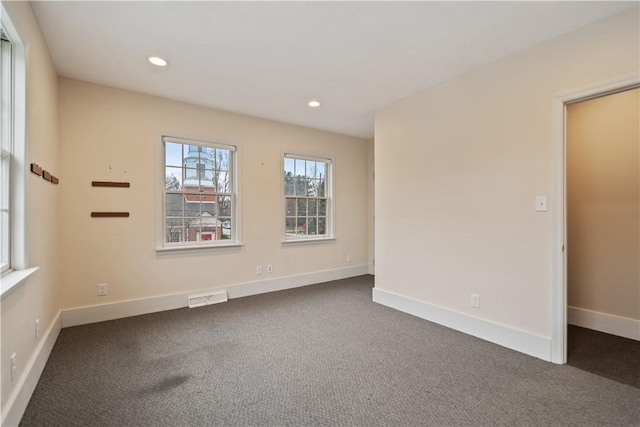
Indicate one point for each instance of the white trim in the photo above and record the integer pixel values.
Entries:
(197, 248)
(559, 281)
(515, 339)
(308, 240)
(19, 145)
(13, 278)
(120, 309)
(603, 322)
(198, 142)
(19, 399)
(292, 155)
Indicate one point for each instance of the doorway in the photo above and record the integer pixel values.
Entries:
(561, 101)
(603, 235)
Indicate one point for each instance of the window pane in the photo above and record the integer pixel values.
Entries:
(322, 226)
(311, 169)
(173, 154)
(301, 226)
(222, 182)
(290, 207)
(320, 187)
(312, 207)
(302, 207)
(192, 228)
(289, 184)
(222, 159)
(207, 192)
(301, 186)
(320, 170)
(4, 180)
(225, 228)
(175, 205)
(4, 232)
(312, 187)
(173, 178)
(289, 166)
(174, 230)
(301, 167)
(312, 226)
(322, 207)
(191, 174)
(209, 207)
(290, 226)
(224, 206)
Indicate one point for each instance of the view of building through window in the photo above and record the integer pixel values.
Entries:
(199, 192)
(306, 197)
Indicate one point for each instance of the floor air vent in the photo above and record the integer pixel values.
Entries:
(207, 298)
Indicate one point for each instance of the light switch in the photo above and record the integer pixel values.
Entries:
(541, 203)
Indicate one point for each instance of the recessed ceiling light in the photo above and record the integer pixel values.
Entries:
(314, 103)
(156, 60)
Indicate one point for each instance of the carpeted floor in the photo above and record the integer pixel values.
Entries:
(319, 355)
(606, 355)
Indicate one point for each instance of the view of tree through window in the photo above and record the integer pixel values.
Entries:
(306, 197)
(198, 192)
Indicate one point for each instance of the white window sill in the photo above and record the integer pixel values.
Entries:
(310, 240)
(197, 248)
(14, 278)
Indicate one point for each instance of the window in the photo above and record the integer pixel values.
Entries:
(307, 198)
(6, 132)
(13, 170)
(199, 194)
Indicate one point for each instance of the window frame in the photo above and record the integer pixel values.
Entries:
(6, 149)
(329, 196)
(234, 193)
(17, 270)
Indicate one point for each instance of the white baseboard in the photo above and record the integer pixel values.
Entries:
(607, 323)
(120, 309)
(19, 399)
(515, 339)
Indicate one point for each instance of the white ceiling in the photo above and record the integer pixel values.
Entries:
(268, 59)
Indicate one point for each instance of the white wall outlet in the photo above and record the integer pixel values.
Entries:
(269, 268)
(475, 300)
(14, 366)
(102, 289)
(259, 270)
(349, 259)
(541, 203)
(37, 328)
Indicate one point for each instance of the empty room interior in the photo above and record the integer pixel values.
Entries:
(320, 213)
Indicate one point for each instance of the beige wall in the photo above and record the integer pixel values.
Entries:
(603, 204)
(458, 168)
(112, 135)
(38, 297)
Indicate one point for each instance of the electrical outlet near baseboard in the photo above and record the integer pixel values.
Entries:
(269, 268)
(475, 300)
(102, 289)
(37, 328)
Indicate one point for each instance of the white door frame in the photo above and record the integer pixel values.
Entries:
(559, 284)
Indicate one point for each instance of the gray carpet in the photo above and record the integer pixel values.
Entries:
(319, 355)
(603, 354)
